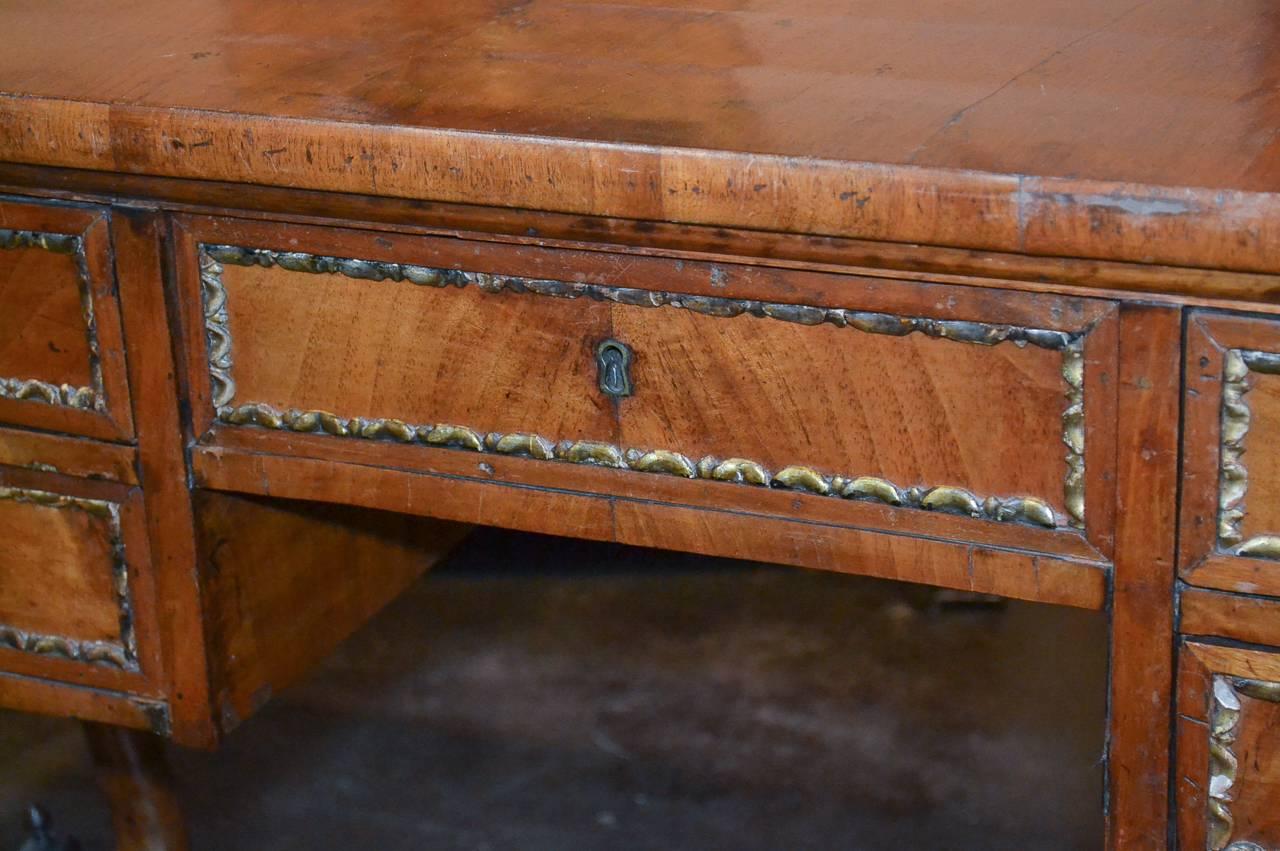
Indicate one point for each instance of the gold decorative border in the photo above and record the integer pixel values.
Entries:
(83, 398)
(739, 470)
(1233, 477)
(122, 654)
(1224, 725)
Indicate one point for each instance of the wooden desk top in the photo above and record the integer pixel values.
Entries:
(1059, 127)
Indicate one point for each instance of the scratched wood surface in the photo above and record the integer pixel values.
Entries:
(1010, 271)
(1045, 127)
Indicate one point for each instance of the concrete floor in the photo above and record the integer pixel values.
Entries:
(546, 695)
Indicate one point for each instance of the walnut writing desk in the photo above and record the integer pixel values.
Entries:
(976, 294)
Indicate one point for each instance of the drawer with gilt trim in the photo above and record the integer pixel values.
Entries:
(61, 349)
(1227, 778)
(1231, 454)
(886, 404)
(75, 570)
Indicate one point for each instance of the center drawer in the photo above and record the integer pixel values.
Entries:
(991, 406)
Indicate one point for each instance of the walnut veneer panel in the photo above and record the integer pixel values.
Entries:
(43, 334)
(66, 594)
(1248, 618)
(60, 566)
(1036, 126)
(419, 354)
(1262, 508)
(916, 397)
(61, 349)
(284, 582)
(915, 410)
(1022, 86)
(1228, 770)
(1231, 464)
(76, 586)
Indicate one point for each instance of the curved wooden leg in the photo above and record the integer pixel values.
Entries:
(135, 777)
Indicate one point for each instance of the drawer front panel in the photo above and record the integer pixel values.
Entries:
(914, 411)
(1231, 454)
(420, 354)
(42, 329)
(75, 584)
(906, 395)
(61, 356)
(65, 588)
(1228, 761)
(62, 566)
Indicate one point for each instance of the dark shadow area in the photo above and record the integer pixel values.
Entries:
(543, 694)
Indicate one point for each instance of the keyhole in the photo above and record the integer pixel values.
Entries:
(613, 360)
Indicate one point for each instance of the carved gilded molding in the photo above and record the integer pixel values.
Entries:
(122, 654)
(32, 389)
(1224, 726)
(1233, 476)
(738, 470)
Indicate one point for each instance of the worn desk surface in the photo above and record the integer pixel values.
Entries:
(938, 183)
(930, 121)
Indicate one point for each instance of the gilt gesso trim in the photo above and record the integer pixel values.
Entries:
(1224, 727)
(1233, 476)
(740, 470)
(93, 397)
(122, 654)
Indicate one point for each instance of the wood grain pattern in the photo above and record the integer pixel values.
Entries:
(835, 255)
(646, 523)
(306, 333)
(89, 566)
(870, 133)
(31, 694)
(43, 334)
(68, 455)
(1231, 422)
(61, 350)
(606, 481)
(1142, 624)
(1262, 516)
(952, 159)
(1229, 700)
(606, 265)
(60, 565)
(1255, 620)
(140, 242)
(913, 410)
(419, 354)
(284, 583)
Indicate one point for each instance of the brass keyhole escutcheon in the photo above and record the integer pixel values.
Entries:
(613, 360)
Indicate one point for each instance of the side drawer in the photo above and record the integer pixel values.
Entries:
(61, 351)
(1230, 525)
(959, 412)
(1228, 748)
(75, 574)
